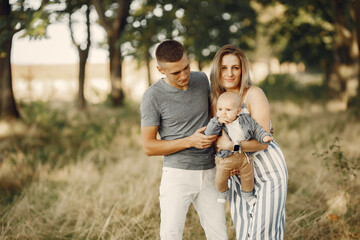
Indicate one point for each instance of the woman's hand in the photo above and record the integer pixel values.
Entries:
(224, 143)
(234, 172)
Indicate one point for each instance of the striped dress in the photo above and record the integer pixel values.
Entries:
(266, 218)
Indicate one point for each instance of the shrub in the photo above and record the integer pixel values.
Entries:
(282, 87)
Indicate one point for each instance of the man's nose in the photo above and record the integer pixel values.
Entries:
(183, 74)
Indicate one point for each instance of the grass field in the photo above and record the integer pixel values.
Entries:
(66, 174)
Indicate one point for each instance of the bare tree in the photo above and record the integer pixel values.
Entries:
(13, 20)
(82, 51)
(114, 23)
(8, 109)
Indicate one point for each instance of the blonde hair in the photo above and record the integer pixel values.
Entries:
(215, 78)
(231, 96)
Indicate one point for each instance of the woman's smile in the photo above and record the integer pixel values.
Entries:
(230, 72)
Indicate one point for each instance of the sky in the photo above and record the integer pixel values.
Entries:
(57, 49)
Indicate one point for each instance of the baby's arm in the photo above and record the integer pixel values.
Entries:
(259, 133)
(214, 127)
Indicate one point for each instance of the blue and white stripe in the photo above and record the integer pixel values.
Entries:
(266, 219)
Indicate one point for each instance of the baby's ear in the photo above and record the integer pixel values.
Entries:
(238, 112)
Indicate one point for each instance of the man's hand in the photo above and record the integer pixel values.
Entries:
(200, 140)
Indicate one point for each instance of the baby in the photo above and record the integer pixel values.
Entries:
(238, 126)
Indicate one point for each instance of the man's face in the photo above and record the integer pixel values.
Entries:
(177, 73)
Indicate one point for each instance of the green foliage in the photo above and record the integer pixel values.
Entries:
(107, 175)
(57, 137)
(203, 26)
(60, 136)
(345, 168)
(354, 106)
(283, 87)
(208, 25)
(34, 18)
(305, 31)
(144, 29)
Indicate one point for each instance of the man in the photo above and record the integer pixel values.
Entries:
(177, 107)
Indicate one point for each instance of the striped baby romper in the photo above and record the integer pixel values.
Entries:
(266, 218)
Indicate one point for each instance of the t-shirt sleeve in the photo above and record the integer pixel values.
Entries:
(150, 115)
(205, 81)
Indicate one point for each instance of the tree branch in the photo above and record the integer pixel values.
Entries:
(101, 13)
(72, 33)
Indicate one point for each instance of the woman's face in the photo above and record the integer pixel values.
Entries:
(230, 73)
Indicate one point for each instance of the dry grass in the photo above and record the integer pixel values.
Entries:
(106, 188)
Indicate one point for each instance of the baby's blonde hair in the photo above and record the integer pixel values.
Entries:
(232, 96)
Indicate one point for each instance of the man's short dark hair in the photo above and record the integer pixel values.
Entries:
(169, 51)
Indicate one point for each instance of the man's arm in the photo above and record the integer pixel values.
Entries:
(153, 146)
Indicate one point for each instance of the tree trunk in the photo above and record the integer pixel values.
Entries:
(356, 13)
(326, 65)
(117, 92)
(114, 29)
(8, 108)
(83, 55)
(148, 59)
(342, 58)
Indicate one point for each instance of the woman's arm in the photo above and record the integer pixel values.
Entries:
(258, 106)
(223, 142)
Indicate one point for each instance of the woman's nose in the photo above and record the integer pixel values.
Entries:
(229, 72)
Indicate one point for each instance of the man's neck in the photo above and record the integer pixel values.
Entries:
(184, 88)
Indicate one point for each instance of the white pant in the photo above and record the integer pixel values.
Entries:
(179, 188)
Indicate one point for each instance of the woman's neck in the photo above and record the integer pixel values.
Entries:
(234, 90)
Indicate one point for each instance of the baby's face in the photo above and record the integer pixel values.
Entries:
(227, 110)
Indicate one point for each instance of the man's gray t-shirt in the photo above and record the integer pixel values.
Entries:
(179, 114)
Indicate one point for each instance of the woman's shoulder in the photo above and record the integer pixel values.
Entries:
(255, 95)
(254, 92)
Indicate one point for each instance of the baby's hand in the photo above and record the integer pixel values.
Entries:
(267, 139)
(222, 120)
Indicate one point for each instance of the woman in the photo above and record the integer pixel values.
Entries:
(266, 218)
